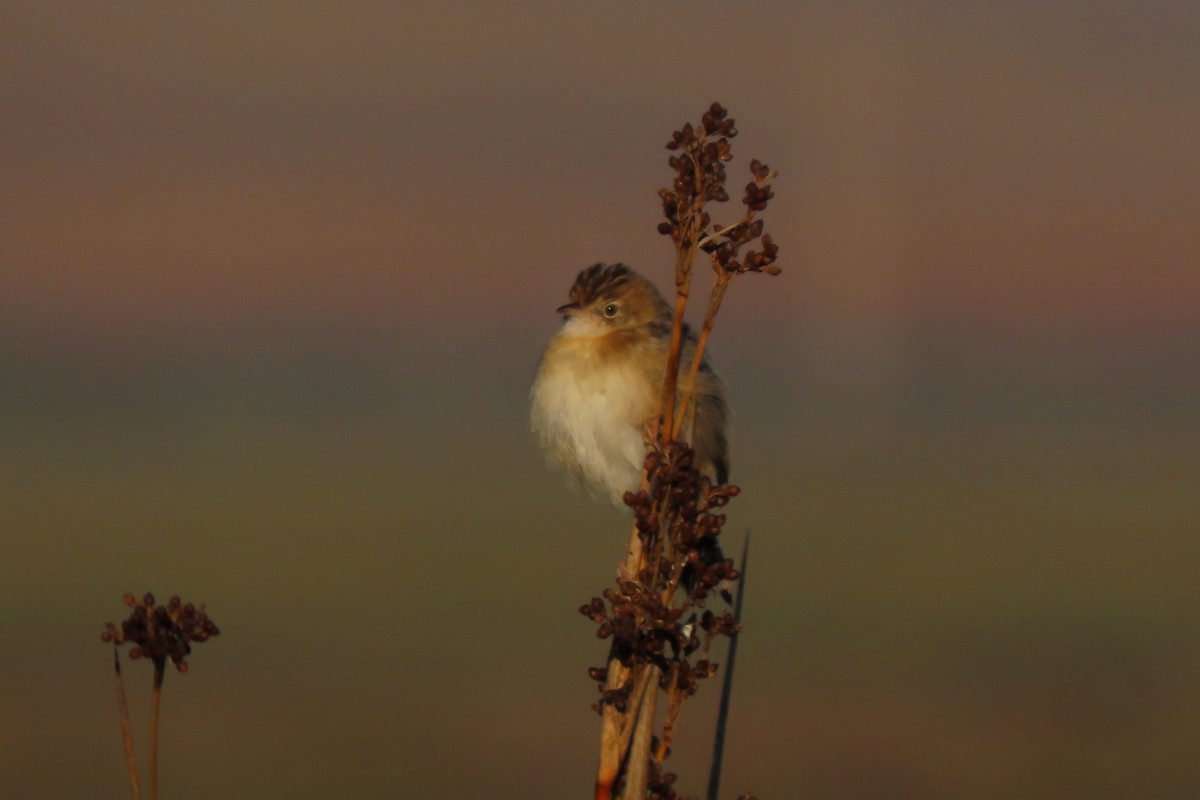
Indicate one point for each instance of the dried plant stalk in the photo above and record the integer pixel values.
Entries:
(638, 774)
(673, 561)
(135, 789)
(718, 755)
(155, 704)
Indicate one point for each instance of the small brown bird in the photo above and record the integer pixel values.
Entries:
(599, 384)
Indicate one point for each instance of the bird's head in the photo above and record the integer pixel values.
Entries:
(606, 298)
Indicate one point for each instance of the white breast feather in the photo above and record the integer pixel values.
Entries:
(589, 416)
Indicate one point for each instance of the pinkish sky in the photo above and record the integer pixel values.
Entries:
(176, 170)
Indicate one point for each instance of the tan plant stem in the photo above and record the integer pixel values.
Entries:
(610, 736)
(618, 726)
(710, 318)
(674, 707)
(155, 701)
(671, 378)
(135, 789)
(646, 681)
(613, 732)
(686, 246)
(637, 773)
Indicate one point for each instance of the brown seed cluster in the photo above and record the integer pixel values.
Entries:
(700, 177)
(699, 172)
(652, 618)
(691, 524)
(161, 633)
(661, 785)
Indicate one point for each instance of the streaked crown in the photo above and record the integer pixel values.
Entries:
(615, 295)
(600, 282)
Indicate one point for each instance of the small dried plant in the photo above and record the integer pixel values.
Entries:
(161, 634)
(656, 620)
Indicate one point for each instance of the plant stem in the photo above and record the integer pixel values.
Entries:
(135, 789)
(671, 378)
(619, 726)
(155, 701)
(728, 229)
(710, 318)
(686, 246)
(610, 737)
(637, 772)
(674, 707)
(714, 776)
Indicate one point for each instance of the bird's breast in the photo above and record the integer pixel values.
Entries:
(579, 384)
(589, 407)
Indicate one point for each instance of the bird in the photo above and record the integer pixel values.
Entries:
(598, 386)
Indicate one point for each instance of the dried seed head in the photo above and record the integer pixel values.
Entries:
(161, 633)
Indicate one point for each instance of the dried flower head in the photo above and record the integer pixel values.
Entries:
(699, 167)
(644, 616)
(161, 633)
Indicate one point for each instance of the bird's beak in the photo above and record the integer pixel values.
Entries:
(569, 310)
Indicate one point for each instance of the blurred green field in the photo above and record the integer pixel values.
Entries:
(966, 611)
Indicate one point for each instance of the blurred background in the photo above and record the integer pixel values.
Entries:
(274, 280)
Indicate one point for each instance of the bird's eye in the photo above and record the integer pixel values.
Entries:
(610, 310)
